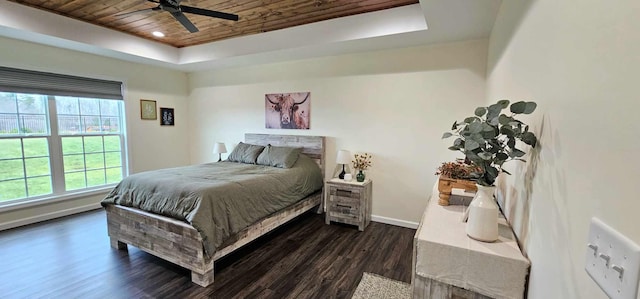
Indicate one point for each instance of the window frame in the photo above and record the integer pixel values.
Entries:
(56, 158)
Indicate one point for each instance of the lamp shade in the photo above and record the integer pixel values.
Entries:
(219, 148)
(344, 157)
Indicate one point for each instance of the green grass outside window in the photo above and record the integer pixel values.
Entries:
(77, 154)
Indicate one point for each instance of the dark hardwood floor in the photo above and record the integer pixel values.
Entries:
(71, 258)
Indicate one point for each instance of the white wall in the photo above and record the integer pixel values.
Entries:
(580, 63)
(150, 145)
(393, 104)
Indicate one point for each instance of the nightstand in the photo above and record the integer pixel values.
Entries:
(348, 202)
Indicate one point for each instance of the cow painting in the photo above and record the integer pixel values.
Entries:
(287, 110)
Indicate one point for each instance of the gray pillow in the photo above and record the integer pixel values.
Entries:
(279, 156)
(245, 153)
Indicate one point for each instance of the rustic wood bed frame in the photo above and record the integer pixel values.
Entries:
(178, 242)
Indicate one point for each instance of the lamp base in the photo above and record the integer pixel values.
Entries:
(219, 157)
(341, 176)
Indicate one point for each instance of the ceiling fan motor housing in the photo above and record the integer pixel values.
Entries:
(170, 5)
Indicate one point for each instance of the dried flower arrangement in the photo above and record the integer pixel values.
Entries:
(458, 170)
(361, 161)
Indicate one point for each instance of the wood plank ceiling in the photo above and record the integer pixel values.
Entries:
(255, 16)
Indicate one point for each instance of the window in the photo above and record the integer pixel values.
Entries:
(24, 156)
(56, 143)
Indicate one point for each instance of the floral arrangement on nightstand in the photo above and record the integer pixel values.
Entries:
(361, 162)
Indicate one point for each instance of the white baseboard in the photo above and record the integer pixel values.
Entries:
(396, 222)
(48, 216)
(67, 212)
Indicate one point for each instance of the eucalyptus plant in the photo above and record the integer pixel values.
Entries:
(488, 139)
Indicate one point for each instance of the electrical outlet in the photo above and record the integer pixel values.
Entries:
(613, 261)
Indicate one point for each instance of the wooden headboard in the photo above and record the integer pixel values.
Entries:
(312, 146)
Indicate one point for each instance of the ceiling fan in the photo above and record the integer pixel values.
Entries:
(177, 11)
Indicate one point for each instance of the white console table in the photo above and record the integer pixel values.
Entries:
(448, 264)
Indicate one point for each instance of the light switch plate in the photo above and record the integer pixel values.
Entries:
(608, 250)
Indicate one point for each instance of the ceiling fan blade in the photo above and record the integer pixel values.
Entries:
(208, 13)
(184, 21)
(126, 14)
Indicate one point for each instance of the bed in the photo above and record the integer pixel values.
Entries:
(179, 242)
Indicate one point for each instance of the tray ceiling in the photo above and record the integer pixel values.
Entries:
(254, 16)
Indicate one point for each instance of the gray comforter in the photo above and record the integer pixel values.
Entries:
(218, 199)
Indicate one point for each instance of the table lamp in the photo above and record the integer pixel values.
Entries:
(344, 157)
(219, 148)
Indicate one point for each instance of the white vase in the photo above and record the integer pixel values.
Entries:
(483, 215)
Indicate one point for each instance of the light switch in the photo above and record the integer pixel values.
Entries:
(613, 261)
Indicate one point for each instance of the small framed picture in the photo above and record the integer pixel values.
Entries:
(166, 117)
(148, 110)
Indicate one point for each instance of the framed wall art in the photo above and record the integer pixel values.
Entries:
(148, 110)
(287, 110)
(167, 117)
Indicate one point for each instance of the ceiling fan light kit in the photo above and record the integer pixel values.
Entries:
(177, 11)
